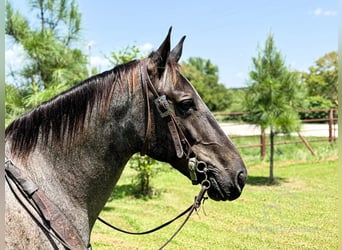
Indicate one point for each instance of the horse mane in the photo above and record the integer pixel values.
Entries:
(67, 114)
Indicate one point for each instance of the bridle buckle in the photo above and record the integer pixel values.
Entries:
(162, 106)
(192, 169)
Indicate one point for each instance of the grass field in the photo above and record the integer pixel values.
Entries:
(299, 212)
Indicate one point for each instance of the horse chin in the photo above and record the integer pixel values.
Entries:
(215, 192)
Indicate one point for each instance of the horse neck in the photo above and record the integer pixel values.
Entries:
(80, 177)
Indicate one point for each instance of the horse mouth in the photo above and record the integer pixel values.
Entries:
(218, 193)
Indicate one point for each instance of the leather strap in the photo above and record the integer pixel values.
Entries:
(175, 138)
(149, 122)
(181, 144)
(58, 221)
(52, 216)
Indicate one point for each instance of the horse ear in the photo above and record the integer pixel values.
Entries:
(159, 57)
(176, 52)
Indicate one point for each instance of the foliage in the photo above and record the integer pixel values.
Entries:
(321, 80)
(273, 96)
(51, 64)
(204, 76)
(321, 84)
(146, 168)
(237, 96)
(125, 55)
(14, 103)
(316, 103)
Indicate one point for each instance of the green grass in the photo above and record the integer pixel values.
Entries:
(300, 212)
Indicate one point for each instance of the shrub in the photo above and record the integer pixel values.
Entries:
(146, 168)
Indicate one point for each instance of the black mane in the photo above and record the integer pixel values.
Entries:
(65, 115)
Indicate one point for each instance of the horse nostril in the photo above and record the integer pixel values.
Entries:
(241, 179)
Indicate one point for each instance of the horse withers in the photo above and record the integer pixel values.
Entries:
(73, 148)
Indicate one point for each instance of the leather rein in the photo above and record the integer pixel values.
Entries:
(52, 220)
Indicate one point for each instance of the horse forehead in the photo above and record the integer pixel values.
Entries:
(179, 85)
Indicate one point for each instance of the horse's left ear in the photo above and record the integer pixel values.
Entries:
(159, 57)
(176, 52)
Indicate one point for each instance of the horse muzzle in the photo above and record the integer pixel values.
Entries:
(221, 185)
(226, 187)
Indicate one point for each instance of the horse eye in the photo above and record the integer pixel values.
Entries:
(185, 105)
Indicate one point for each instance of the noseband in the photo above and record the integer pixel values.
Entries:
(181, 144)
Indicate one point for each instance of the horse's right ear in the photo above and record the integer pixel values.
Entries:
(159, 57)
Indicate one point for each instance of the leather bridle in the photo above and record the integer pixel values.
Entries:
(181, 144)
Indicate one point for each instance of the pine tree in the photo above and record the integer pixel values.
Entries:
(273, 95)
(52, 62)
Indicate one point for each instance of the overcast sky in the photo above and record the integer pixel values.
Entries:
(226, 32)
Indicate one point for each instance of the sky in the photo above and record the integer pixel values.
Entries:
(228, 33)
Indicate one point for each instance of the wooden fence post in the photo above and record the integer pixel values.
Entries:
(331, 123)
(307, 144)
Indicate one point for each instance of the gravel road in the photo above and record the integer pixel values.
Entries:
(319, 130)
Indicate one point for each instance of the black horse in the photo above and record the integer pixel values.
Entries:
(73, 148)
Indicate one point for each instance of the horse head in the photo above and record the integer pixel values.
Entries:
(183, 128)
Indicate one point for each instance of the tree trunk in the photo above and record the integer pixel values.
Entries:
(271, 177)
(263, 144)
(42, 18)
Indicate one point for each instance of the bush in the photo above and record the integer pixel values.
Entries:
(146, 168)
(316, 103)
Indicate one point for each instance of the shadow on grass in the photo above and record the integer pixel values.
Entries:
(264, 181)
(122, 191)
(131, 190)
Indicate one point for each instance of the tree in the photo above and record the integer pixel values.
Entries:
(321, 80)
(52, 63)
(273, 95)
(321, 83)
(14, 105)
(204, 76)
(126, 55)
